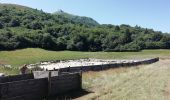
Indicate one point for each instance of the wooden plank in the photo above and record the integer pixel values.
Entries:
(34, 96)
(65, 83)
(96, 67)
(17, 88)
(86, 68)
(49, 83)
(44, 74)
(16, 78)
(106, 66)
(75, 69)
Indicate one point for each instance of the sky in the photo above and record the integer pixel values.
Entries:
(154, 14)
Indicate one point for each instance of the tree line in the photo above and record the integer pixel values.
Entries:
(23, 27)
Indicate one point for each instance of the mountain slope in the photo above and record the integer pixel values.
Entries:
(76, 19)
(23, 27)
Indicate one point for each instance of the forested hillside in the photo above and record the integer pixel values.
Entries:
(22, 27)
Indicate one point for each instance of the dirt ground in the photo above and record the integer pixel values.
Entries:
(2, 62)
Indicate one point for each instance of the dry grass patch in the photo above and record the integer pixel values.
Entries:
(146, 82)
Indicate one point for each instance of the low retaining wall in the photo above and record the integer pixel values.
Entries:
(107, 66)
(38, 89)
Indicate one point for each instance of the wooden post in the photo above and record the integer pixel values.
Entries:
(49, 83)
(81, 69)
(80, 80)
(59, 72)
(31, 71)
(101, 67)
(68, 69)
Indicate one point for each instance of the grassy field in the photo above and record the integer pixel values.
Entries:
(146, 82)
(33, 55)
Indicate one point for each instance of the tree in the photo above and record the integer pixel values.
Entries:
(8, 40)
(117, 28)
(35, 25)
(22, 27)
(1, 25)
(14, 23)
(61, 43)
(127, 36)
(48, 42)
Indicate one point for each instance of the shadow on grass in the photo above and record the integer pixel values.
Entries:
(70, 95)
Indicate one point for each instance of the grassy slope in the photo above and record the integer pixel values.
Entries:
(33, 55)
(145, 82)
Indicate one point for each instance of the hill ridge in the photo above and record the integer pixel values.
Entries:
(23, 27)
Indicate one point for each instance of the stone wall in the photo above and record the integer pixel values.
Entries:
(108, 66)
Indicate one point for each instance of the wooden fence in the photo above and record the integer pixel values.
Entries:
(16, 78)
(26, 88)
(63, 83)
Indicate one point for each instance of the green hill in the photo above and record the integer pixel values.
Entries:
(75, 19)
(23, 27)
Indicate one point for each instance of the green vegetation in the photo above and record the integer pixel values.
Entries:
(142, 83)
(9, 71)
(23, 27)
(33, 55)
(147, 82)
(18, 58)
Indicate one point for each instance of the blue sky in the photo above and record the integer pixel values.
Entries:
(146, 13)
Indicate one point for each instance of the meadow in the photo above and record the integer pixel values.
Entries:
(20, 57)
(33, 55)
(144, 82)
